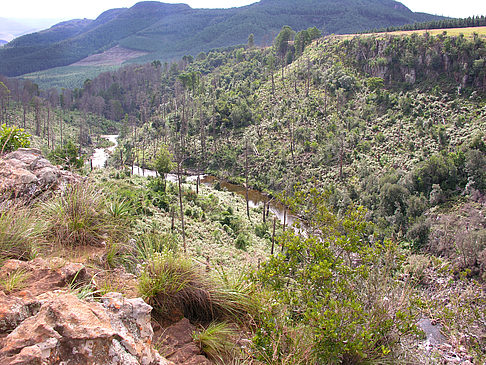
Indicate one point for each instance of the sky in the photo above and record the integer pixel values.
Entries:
(65, 9)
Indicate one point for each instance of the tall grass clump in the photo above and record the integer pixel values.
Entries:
(217, 341)
(174, 286)
(21, 233)
(77, 216)
(150, 243)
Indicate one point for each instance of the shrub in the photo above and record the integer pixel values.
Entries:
(242, 241)
(12, 138)
(339, 284)
(261, 230)
(67, 156)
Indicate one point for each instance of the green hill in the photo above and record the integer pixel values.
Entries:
(169, 31)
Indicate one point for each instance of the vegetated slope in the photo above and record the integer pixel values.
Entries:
(393, 123)
(172, 30)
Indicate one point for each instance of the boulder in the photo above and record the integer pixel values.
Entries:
(68, 330)
(25, 173)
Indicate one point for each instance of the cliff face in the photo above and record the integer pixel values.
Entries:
(416, 59)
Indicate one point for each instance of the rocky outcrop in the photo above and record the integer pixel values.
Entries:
(42, 321)
(70, 331)
(25, 173)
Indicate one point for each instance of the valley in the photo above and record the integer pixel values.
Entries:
(320, 200)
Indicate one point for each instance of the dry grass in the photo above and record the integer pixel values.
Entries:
(454, 32)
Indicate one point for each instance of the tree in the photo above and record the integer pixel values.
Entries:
(4, 97)
(282, 44)
(163, 163)
(251, 41)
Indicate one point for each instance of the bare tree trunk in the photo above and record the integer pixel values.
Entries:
(341, 157)
(180, 203)
(292, 140)
(308, 78)
(264, 216)
(23, 120)
(48, 125)
(246, 183)
(273, 84)
(285, 219)
(273, 234)
(60, 123)
(143, 156)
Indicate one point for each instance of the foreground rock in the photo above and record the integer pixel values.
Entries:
(178, 345)
(25, 173)
(42, 322)
(69, 331)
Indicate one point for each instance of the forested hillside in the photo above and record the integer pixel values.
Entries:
(375, 144)
(169, 31)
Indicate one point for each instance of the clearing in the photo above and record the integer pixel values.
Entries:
(112, 57)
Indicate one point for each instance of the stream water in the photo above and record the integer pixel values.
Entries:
(255, 197)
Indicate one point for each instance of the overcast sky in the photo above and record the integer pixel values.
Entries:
(65, 9)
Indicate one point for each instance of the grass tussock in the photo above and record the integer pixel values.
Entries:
(217, 341)
(15, 280)
(21, 233)
(174, 285)
(78, 216)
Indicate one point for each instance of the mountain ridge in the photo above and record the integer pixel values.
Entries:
(169, 31)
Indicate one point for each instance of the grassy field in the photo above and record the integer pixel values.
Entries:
(468, 32)
(67, 76)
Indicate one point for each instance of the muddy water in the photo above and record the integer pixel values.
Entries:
(255, 197)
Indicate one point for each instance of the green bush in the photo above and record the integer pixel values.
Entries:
(242, 241)
(334, 282)
(67, 156)
(13, 138)
(261, 230)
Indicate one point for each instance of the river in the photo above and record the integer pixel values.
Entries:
(255, 197)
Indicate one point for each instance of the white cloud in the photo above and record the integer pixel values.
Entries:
(65, 9)
(451, 8)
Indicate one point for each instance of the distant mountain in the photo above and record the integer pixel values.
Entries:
(11, 28)
(168, 31)
(3, 42)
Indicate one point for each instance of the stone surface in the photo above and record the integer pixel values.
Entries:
(25, 173)
(177, 345)
(70, 331)
(42, 276)
(42, 322)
